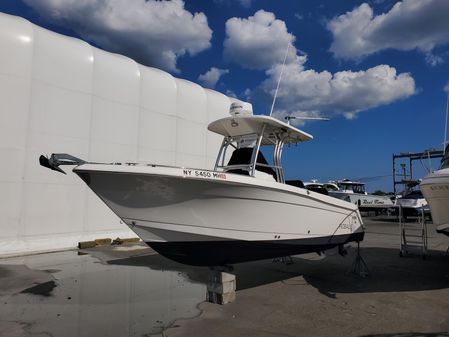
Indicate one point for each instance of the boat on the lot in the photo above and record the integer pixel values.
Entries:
(412, 204)
(316, 186)
(354, 192)
(242, 210)
(435, 188)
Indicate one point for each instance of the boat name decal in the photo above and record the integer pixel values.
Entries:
(372, 202)
(204, 174)
(346, 226)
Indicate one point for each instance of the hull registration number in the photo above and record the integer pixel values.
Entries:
(204, 174)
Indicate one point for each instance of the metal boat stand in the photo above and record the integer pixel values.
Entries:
(359, 266)
(413, 234)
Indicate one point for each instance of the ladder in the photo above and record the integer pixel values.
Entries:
(413, 234)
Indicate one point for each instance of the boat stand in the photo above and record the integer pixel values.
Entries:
(413, 234)
(359, 266)
(221, 286)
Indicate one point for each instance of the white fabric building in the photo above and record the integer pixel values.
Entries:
(60, 94)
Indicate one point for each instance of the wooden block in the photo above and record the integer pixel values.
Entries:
(120, 241)
(86, 244)
(103, 242)
(126, 240)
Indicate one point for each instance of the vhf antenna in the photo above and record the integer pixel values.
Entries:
(445, 124)
(289, 118)
(279, 81)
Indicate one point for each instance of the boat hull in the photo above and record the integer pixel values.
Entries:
(435, 188)
(236, 251)
(208, 218)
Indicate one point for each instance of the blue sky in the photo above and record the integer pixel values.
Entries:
(378, 68)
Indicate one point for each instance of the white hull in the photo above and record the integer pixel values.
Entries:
(435, 188)
(176, 205)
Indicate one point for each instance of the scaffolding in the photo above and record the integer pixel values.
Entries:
(405, 177)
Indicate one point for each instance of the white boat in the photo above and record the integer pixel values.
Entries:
(316, 186)
(412, 203)
(242, 210)
(354, 192)
(435, 188)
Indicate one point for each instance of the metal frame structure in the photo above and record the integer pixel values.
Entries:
(411, 156)
(413, 234)
(278, 143)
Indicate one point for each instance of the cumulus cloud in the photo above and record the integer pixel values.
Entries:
(408, 25)
(446, 87)
(245, 3)
(257, 42)
(152, 32)
(212, 76)
(231, 93)
(311, 93)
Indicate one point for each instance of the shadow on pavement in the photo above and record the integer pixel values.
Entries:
(330, 274)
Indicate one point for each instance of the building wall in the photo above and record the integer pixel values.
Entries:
(61, 95)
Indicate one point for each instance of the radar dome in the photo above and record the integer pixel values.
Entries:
(241, 109)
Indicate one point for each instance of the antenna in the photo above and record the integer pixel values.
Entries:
(289, 118)
(445, 124)
(279, 81)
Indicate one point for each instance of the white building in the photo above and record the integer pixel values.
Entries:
(59, 94)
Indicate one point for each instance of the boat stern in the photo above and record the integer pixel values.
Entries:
(435, 188)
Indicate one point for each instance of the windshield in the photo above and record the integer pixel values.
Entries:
(359, 189)
(356, 188)
(330, 187)
(246, 157)
(414, 195)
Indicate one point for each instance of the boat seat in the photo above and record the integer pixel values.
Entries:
(296, 183)
(243, 155)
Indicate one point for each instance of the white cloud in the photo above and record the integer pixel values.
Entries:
(311, 93)
(231, 93)
(243, 3)
(410, 24)
(212, 76)
(152, 32)
(257, 42)
(446, 87)
(248, 94)
(246, 3)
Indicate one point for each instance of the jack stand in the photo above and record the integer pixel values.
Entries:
(359, 266)
(342, 250)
